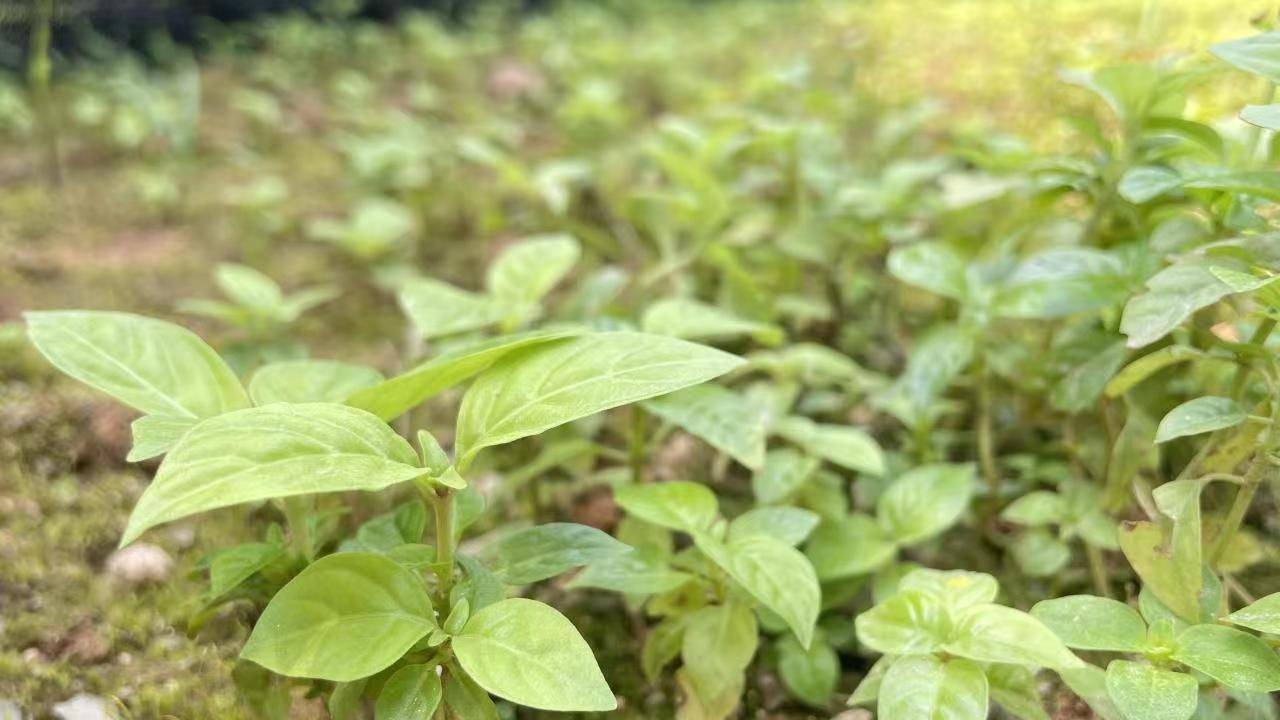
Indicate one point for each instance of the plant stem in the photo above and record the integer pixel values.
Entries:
(1259, 338)
(39, 70)
(1244, 498)
(1098, 569)
(443, 504)
(986, 442)
(296, 509)
(636, 445)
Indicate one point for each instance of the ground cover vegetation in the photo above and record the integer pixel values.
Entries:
(596, 362)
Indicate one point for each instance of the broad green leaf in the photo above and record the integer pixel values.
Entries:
(810, 675)
(848, 547)
(693, 320)
(1060, 282)
(789, 524)
(784, 472)
(1262, 615)
(678, 505)
(700, 701)
(438, 308)
(154, 434)
(1172, 295)
(868, 689)
(391, 530)
(932, 266)
(153, 366)
(391, 398)
(274, 451)
(926, 688)
(1257, 54)
(662, 645)
(538, 388)
(1035, 509)
(1040, 553)
(344, 617)
(777, 575)
(1201, 415)
(465, 698)
(1142, 692)
(248, 287)
(1232, 657)
(1080, 389)
(1148, 365)
(1146, 182)
(719, 642)
(995, 633)
(1259, 183)
(1015, 689)
(344, 702)
(231, 567)
(545, 551)
(957, 589)
(411, 693)
(637, 572)
(528, 653)
(925, 501)
(1086, 622)
(299, 381)
(848, 447)
(1266, 117)
(529, 269)
(910, 622)
(725, 419)
(1169, 562)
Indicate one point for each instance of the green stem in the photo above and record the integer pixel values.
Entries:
(443, 504)
(1259, 338)
(636, 445)
(39, 71)
(296, 508)
(986, 442)
(1240, 506)
(1098, 569)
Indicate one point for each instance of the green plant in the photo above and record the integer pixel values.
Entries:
(446, 635)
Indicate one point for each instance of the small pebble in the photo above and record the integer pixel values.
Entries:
(138, 564)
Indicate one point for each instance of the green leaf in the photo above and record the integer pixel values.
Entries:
(784, 472)
(528, 653)
(538, 388)
(248, 287)
(1232, 657)
(693, 320)
(719, 642)
(637, 572)
(1142, 692)
(1148, 365)
(868, 689)
(1172, 296)
(810, 675)
(1035, 509)
(1266, 117)
(437, 308)
(465, 698)
(995, 633)
(274, 451)
(1086, 622)
(679, 504)
(1080, 389)
(1089, 682)
(1262, 615)
(957, 589)
(1201, 415)
(391, 398)
(848, 447)
(298, 381)
(344, 701)
(1259, 183)
(726, 420)
(775, 574)
(154, 434)
(1168, 564)
(910, 622)
(926, 688)
(529, 269)
(153, 366)
(848, 547)
(344, 617)
(545, 551)
(411, 693)
(932, 266)
(1257, 54)
(1144, 183)
(1015, 689)
(925, 501)
(229, 568)
(662, 645)
(1040, 553)
(789, 524)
